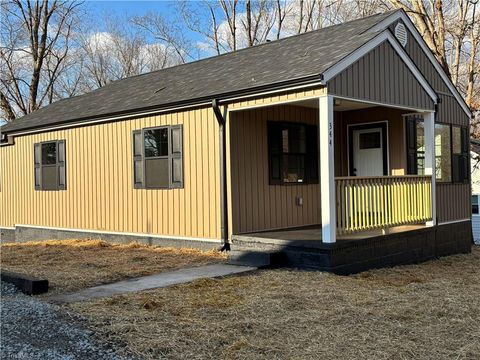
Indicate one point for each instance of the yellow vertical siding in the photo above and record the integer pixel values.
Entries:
(100, 193)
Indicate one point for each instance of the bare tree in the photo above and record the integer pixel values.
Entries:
(35, 40)
(458, 31)
(473, 69)
(430, 20)
(166, 33)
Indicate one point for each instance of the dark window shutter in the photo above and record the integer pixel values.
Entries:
(61, 160)
(37, 160)
(274, 134)
(411, 135)
(465, 155)
(137, 154)
(457, 167)
(176, 156)
(312, 154)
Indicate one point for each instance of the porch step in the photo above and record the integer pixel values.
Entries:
(259, 259)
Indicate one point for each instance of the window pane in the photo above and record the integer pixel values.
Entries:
(370, 140)
(293, 168)
(49, 153)
(474, 204)
(456, 140)
(294, 139)
(49, 178)
(156, 142)
(443, 154)
(156, 173)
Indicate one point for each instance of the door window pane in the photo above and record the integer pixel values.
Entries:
(370, 140)
(49, 153)
(156, 142)
(443, 154)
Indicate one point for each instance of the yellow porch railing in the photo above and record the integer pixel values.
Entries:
(372, 202)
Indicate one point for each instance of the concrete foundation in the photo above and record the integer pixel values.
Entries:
(27, 233)
(7, 235)
(356, 255)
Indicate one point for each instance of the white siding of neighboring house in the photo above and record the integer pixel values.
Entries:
(475, 191)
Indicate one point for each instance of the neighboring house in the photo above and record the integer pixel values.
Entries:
(475, 168)
(332, 132)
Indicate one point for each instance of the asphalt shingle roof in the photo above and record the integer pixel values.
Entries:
(295, 57)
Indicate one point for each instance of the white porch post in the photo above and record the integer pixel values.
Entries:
(327, 170)
(429, 136)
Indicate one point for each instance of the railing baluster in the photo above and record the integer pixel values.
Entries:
(382, 201)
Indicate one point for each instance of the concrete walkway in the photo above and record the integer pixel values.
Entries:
(152, 282)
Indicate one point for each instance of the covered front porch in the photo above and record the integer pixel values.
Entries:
(328, 170)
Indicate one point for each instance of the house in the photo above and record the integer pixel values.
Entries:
(346, 146)
(475, 169)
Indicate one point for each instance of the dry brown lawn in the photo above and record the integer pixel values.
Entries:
(426, 311)
(71, 265)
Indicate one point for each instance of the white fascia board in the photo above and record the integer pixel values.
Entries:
(401, 15)
(369, 46)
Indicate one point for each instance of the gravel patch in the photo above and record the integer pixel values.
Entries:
(32, 329)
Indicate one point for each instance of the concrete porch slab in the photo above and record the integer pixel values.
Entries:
(152, 282)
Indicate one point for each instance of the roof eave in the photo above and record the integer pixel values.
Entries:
(222, 98)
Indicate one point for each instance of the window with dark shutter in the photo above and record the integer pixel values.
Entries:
(158, 157)
(292, 153)
(137, 152)
(176, 157)
(443, 152)
(50, 165)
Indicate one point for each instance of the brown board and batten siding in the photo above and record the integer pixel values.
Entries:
(422, 62)
(257, 205)
(453, 200)
(254, 205)
(396, 136)
(381, 76)
(100, 193)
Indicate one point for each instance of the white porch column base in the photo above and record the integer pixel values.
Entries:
(429, 136)
(327, 173)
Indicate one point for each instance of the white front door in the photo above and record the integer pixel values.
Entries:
(367, 152)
